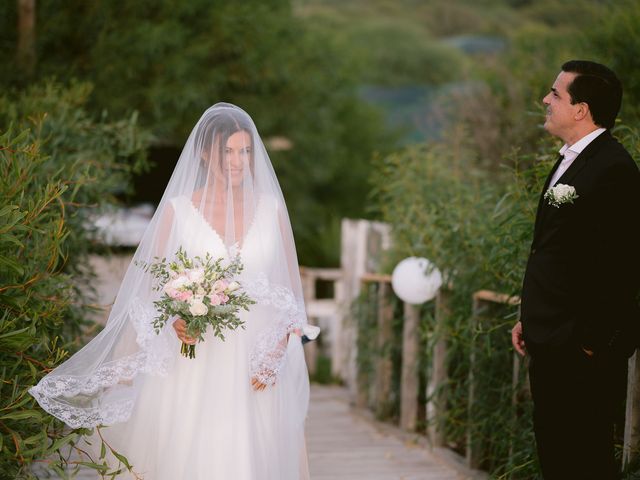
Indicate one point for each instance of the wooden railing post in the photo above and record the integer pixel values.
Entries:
(437, 378)
(363, 378)
(409, 382)
(338, 366)
(309, 292)
(481, 300)
(384, 365)
(515, 379)
(472, 452)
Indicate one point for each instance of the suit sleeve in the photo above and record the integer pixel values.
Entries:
(611, 258)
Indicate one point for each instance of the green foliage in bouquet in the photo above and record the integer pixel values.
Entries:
(55, 163)
(201, 291)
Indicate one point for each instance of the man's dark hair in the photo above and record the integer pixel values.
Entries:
(598, 87)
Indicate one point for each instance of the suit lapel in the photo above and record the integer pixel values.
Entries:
(581, 160)
(567, 177)
(578, 164)
(541, 199)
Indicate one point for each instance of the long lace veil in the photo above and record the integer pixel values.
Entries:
(225, 179)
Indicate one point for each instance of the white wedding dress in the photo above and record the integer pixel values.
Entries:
(200, 419)
(203, 420)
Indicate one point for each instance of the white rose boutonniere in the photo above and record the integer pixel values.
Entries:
(560, 194)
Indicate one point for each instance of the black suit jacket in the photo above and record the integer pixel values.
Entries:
(583, 272)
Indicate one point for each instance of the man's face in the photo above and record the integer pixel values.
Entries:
(560, 118)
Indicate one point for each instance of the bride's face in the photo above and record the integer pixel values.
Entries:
(236, 157)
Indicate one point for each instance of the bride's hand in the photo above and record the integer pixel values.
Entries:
(257, 385)
(180, 326)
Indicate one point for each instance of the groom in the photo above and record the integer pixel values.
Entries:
(580, 319)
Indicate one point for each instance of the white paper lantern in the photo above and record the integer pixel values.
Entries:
(416, 280)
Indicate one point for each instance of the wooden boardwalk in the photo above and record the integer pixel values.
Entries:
(345, 445)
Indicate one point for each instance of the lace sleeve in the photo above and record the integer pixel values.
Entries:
(268, 355)
(269, 352)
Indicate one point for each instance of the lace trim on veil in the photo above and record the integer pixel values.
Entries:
(101, 401)
(85, 417)
(154, 357)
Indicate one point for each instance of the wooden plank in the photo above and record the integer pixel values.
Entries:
(494, 297)
(344, 445)
(375, 278)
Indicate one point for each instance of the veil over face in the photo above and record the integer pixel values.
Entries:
(223, 198)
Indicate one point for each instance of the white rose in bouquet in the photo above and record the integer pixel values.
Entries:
(178, 282)
(197, 307)
(196, 275)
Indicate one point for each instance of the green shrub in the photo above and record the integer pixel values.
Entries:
(476, 226)
(56, 163)
(616, 43)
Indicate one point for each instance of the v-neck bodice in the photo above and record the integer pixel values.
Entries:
(198, 237)
(194, 233)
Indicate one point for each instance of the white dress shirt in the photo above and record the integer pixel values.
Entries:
(571, 152)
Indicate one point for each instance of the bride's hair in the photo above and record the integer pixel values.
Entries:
(212, 136)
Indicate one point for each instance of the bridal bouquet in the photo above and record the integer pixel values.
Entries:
(201, 291)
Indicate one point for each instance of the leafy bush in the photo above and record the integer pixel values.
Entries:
(394, 53)
(616, 43)
(171, 60)
(56, 162)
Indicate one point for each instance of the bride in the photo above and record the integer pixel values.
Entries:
(237, 410)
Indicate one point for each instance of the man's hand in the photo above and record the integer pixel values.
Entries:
(257, 385)
(180, 326)
(517, 340)
(587, 351)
